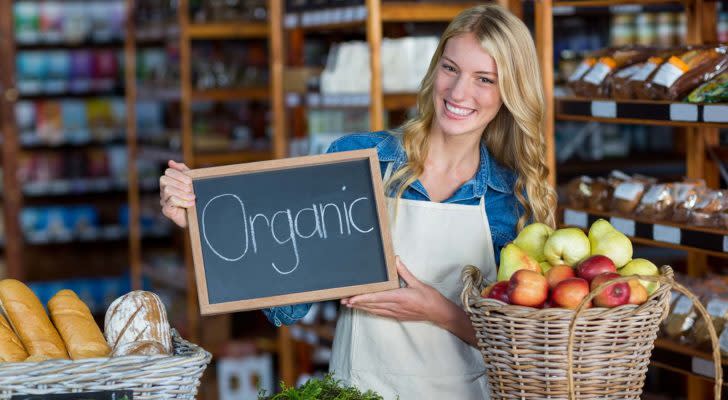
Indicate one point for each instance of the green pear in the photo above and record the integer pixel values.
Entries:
(566, 246)
(512, 259)
(607, 241)
(545, 267)
(640, 266)
(532, 238)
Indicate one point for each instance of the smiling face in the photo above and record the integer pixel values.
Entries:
(466, 94)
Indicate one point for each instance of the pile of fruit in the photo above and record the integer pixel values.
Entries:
(543, 268)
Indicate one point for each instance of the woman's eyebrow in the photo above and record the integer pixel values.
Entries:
(477, 72)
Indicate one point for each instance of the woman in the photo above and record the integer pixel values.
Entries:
(461, 177)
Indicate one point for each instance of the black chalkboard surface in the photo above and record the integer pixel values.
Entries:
(290, 231)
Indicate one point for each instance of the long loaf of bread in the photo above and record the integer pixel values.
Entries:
(29, 320)
(11, 349)
(77, 327)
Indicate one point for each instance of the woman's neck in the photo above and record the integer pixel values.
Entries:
(454, 155)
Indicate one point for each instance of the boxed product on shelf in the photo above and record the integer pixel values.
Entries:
(68, 22)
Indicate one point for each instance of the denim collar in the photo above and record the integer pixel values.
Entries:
(490, 172)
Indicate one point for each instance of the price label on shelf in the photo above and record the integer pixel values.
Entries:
(683, 112)
(623, 225)
(715, 113)
(703, 367)
(293, 100)
(717, 308)
(668, 234)
(683, 306)
(290, 20)
(723, 340)
(605, 109)
(725, 243)
(575, 218)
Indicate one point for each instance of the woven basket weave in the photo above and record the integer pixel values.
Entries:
(555, 353)
(150, 377)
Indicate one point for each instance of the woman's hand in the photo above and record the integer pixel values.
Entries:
(416, 302)
(176, 193)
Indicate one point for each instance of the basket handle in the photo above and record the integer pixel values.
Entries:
(472, 279)
(668, 281)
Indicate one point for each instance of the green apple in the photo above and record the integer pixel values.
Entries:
(640, 266)
(532, 238)
(512, 259)
(607, 241)
(566, 246)
(545, 267)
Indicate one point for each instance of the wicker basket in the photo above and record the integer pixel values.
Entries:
(555, 353)
(149, 377)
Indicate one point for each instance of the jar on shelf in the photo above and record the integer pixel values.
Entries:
(666, 29)
(645, 29)
(622, 32)
(723, 27)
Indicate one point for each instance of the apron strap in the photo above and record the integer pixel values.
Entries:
(388, 171)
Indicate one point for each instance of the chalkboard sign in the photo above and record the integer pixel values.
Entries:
(290, 231)
(105, 395)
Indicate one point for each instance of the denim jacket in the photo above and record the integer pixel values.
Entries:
(492, 180)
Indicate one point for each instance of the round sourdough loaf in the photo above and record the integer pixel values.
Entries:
(134, 317)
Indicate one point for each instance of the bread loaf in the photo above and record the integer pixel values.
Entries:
(77, 327)
(29, 320)
(139, 348)
(137, 316)
(10, 347)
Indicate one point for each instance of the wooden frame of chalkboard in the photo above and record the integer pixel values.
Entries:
(380, 229)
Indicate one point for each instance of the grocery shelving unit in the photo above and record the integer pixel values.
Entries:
(210, 332)
(29, 258)
(698, 123)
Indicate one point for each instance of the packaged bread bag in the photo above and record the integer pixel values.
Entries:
(707, 209)
(597, 81)
(628, 194)
(713, 91)
(657, 202)
(574, 81)
(578, 191)
(681, 74)
(681, 317)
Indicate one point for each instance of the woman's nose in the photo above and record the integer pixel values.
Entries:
(459, 89)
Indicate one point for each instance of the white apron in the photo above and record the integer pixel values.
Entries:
(418, 360)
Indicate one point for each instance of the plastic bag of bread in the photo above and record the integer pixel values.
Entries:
(628, 194)
(621, 90)
(657, 202)
(597, 81)
(579, 191)
(706, 210)
(574, 81)
(713, 91)
(601, 195)
(718, 310)
(686, 195)
(681, 74)
(681, 317)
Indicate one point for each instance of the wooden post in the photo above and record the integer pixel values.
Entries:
(374, 38)
(12, 196)
(277, 59)
(544, 32)
(135, 255)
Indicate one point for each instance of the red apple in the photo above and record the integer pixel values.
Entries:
(570, 292)
(498, 291)
(594, 266)
(637, 292)
(559, 273)
(528, 288)
(613, 295)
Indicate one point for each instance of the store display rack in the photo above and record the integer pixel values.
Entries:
(699, 125)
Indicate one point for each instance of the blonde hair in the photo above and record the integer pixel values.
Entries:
(514, 137)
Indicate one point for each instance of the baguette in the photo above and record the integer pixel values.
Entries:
(77, 327)
(11, 349)
(29, 320)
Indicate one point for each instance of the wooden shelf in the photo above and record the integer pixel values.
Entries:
(227, 30)
(231, 157)
(642, 112)
(611, 3)
(423, 12)
(234, 94)
(113, 44)
(685, 359)
(667, 234)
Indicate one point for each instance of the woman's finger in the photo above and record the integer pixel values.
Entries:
(169, 191)
(180, 176)
(178, 166)
(177, 202)
(165, 181)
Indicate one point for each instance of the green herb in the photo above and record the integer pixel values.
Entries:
(327, 388)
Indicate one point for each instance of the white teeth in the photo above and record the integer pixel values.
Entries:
(457, 110)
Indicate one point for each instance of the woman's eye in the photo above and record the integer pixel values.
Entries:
(483, 79)
(448, 67)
